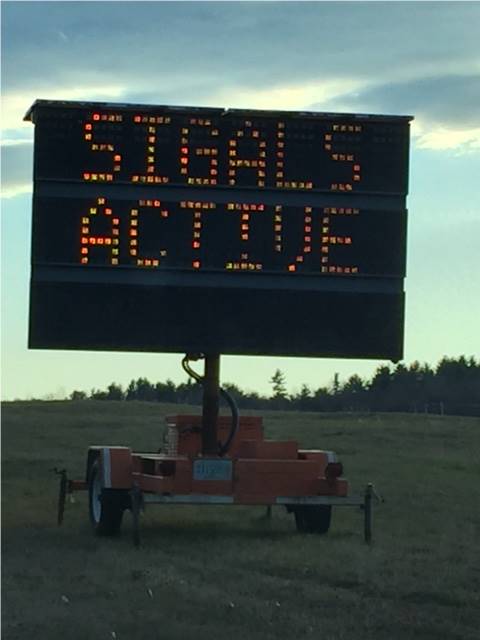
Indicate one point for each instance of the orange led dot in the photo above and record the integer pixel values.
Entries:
(96, 116)
(291, 267)
(86, 176)
(196, 264)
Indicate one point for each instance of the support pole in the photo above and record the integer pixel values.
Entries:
(211, 395)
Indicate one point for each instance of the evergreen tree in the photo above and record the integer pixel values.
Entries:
(78, 395)
(279, 384)
(115, 392)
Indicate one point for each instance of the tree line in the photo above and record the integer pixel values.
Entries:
(451, 387)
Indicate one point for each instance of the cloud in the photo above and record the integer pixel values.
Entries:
(414, 58)
(251, 44)
(13, 142)
(446, 108)
(463, 140)
(17, 163)
(286, 96)
(445, 100)
(15, 104)
(13, 190)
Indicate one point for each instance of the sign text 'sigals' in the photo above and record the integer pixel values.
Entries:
(235, 156)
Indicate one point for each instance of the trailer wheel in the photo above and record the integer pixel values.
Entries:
(313, 518)
(106, 506)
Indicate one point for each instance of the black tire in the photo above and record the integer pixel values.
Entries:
(313, 518)
(105, 506)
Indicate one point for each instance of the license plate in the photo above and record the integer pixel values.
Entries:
(212, 470)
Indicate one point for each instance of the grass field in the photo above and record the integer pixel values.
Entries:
(228, 572)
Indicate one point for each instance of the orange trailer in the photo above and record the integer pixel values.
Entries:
(246, 470)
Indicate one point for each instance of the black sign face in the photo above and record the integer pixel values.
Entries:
(261, 232)
(169, 147)
(212, 236)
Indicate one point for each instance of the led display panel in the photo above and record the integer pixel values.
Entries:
(178, 229)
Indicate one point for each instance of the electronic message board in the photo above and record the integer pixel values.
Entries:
(218, 231)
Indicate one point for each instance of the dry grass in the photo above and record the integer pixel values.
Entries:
(228, 572)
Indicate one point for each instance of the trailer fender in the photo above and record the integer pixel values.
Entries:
(115, 465)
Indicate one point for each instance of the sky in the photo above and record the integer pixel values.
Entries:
(415, 58)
